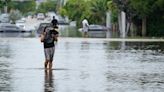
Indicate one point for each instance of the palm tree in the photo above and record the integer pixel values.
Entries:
(98, 11)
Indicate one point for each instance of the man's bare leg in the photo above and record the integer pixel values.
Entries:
(46, 64)
(50, 65)
(85, 34)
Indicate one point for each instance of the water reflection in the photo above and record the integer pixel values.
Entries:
(134, 66)
(49, 81)
(5, 50)
(85, 45)
(5, 67)
(123, 45)
(17, 34)
(92, 66)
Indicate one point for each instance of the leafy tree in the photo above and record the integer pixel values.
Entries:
(76, 10)
(141, 12)
(49, 5)
(93, 10)
(98, 11)
(4, 3)
(23, 6)
(1, 4)
(113, 8)
(15, 15)
(147, 15)
(143, 9)
(155, 19)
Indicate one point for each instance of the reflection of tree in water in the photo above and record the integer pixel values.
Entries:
(5, 67)
(158, 46)
(121, 55)
(48, 84)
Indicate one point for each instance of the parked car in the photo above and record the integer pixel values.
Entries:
(7, 27)
(20, 24)
(40, 16)
(96, 31)
(95, 27)
(4, 18)
(41, 27)
(62, 20)
(24, 19)
(11, 30)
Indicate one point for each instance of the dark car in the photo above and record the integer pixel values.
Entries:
(41, 27)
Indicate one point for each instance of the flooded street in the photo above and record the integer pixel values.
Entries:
(82, 65)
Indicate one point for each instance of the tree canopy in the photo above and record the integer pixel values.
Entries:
(49, 5)
(147, 12)
(151, 10)
(22, 6)
(94, 10)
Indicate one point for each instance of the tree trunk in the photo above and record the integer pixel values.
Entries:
(132, 30)
(123, 24)
(144, 26)
(128, 24)
(5, 9)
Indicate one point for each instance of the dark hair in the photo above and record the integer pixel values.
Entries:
(53, 17)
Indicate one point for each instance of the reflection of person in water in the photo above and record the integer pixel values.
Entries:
(85, 45)
(48, 84)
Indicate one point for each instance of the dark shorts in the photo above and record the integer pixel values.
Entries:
(49, 53)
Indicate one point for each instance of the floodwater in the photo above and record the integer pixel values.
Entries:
(82, 65)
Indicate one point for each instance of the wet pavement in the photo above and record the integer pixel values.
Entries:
(82, 65)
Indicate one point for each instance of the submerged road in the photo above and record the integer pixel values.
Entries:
(83, 65)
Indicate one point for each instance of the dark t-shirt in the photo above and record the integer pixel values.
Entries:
(49, 39)
(54, 22)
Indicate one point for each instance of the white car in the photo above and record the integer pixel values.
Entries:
(7, 27)
(24, 19)
(40, 16)
(50, 15)
(4, 18)
(20, 24)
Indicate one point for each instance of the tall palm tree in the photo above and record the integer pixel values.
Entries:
(98, 11)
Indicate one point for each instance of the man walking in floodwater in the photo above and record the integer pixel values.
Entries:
(85, 25)
(54, 22)
(48, 37)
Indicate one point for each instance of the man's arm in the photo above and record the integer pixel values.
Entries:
(42, 36)
(55, 35)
